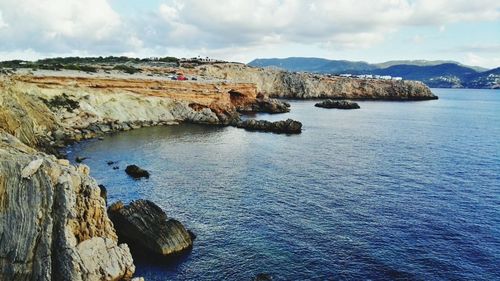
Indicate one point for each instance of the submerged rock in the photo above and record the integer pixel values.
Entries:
(340, 104)
(136, 172)
(288, 126)
(147, 229)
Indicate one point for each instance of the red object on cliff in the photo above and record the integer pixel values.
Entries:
(181, 78)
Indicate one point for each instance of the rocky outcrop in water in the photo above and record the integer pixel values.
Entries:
(340, 104)
(266, 105)
(283, 84)
(147, 229)
(288, 126)
(53, 221)
(136, 172)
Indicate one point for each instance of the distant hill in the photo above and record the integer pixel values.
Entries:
(438, 74)
(313, 64)
(425, 63)
(489, 79)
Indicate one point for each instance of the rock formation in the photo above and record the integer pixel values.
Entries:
(283, 84)
(53, 221)
(340, 104)
(288, 126)
(136, 172)
(147, 229)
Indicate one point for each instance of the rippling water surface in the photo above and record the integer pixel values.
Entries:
(391, 191)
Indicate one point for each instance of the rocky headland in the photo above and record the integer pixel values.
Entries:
(284, 84)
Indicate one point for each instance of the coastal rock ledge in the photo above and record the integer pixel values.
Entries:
(53, 221)
(147, 229)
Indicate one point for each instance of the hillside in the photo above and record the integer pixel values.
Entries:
(438, 74)
(313, 65)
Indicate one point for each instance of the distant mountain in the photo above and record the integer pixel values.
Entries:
(313, 64)
(425, 63)
(438, 74)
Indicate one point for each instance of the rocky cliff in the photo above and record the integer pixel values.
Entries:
(285, 84)
(49, 111)
(53, 222)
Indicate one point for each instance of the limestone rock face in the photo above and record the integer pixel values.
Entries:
(146, 228)
(53, 222)
(283, 84)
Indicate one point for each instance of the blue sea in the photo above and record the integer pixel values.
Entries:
(392, 191)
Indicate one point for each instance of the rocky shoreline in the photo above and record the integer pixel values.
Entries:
(66, 232)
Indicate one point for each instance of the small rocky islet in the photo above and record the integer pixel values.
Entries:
(288, 126)
(67, 232)
(339, 104)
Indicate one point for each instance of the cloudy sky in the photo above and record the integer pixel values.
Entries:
(240, 30)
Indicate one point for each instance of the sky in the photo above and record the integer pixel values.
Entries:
(238, 30)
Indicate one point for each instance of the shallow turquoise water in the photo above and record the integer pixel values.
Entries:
(395, 190)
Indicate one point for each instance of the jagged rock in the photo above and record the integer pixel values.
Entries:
(288, 126)
(265, 104)
(340, 104)
(99, 256)
(31, 169)
(54, 226)
(147, 229)
(103, 193)
(136, 172)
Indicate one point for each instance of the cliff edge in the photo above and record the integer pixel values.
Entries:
(284, 84)
(53, 221)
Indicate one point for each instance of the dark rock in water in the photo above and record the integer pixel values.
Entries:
(340, 104)
(263, 277)
(288, 126)
(110, 163)
(136, 172)
(192, 235)
(80, 159)
(116, 168)
(104, 193)
(147, 229)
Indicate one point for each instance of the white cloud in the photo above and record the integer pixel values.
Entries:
(57, 24)
(92, 26)
(474, 59)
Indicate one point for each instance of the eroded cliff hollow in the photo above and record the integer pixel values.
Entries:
(53, 222)
(277, 83)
